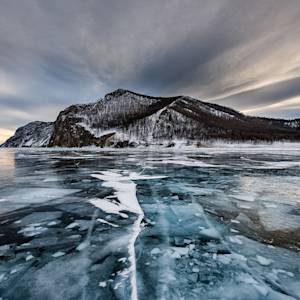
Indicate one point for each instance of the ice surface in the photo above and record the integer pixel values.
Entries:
(32, 230)
(212, 223)
(263, 261)
(37, 195)
(106, 222)
(285, 219)
(58, 254)
(125, 192)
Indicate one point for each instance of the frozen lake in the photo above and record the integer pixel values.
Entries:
(212, 223)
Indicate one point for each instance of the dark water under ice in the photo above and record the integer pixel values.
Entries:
(212, 223)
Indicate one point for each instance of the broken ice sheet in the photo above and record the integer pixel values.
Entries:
(202, 228)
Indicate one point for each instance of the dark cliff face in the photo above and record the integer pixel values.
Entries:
(127, 118)
(34, 134)
(67, 133)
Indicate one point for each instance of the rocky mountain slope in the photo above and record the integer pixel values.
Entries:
(34, 134)
(124, 118)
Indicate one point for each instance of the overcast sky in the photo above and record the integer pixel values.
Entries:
(240, 53)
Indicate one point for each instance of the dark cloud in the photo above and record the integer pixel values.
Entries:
(245, 54)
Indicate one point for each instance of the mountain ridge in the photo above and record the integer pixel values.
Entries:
(125, 118)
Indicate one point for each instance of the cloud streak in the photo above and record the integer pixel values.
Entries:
(245, 54)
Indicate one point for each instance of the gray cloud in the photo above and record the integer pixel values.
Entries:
(267, 95)
(245, 54)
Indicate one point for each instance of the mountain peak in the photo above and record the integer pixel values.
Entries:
(119, 92)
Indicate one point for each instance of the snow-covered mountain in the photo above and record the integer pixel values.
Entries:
(34, 134)
(124, 118)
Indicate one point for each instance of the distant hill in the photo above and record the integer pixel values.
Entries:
(34, 134)
(124, 118)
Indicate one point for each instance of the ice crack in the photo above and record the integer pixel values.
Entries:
(125, 191)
